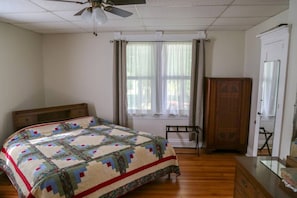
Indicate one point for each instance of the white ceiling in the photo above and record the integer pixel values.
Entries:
(44, 16)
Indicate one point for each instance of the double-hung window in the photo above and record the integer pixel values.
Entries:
(158, 78)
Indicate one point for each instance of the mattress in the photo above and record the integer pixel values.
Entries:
(84, 157)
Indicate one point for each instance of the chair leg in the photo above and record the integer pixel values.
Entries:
(260, 149)
(197, 143)
(267, 138)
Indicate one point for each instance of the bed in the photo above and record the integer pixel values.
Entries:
(64, 152)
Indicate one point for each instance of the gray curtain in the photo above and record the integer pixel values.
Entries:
(197, 92)
(120, 88)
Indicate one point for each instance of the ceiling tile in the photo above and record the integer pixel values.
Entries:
(123, 23)
(112, 24)
(58, 6)
(178, 21)
(176, 28)
(121, 29)
(68, 15)
(49, 25)
(18, 6)
(229, 28)
(52, 27)
(239, 21)
(46, 16)
(261, 2)
(173, 3)
(253, 11)
(29, 17)
(180, 12)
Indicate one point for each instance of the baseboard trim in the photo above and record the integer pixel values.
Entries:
(183, 143)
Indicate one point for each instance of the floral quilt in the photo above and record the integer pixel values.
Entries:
(84, 157)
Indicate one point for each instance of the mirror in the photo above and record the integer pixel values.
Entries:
(270, 84)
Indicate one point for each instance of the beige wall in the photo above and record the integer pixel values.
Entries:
(225, 54)
(21, 75)
(78, 68)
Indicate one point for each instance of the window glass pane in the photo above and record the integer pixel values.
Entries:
(177, 62)
(141, 66)
(139, 94)
(177, 58)
(140, 59)
(177, 96)
(132, 93)
(158, 77)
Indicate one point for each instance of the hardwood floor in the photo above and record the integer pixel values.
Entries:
(6, 189)
(207, 175)
(204, 176)
(263, 152)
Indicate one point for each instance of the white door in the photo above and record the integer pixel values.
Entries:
(272, 81)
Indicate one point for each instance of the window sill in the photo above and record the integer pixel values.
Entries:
(162, 117)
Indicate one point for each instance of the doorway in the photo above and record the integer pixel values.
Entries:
(271, 90)
(268, 106)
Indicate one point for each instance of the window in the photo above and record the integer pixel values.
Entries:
(158, 78)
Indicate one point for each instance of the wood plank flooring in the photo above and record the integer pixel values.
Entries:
(263, 152)
(204, 176)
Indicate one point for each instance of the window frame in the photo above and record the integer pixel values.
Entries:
(161, 82)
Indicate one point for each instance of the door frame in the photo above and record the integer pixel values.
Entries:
(280, 36)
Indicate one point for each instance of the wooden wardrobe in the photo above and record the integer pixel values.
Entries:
(227, 113)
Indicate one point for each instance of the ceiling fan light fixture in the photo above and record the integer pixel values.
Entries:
(95, 12)
(99, 16)
(87, 15)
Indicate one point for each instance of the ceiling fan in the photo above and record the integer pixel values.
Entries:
(96, 8)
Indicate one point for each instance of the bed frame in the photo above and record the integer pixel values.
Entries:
(25, 118)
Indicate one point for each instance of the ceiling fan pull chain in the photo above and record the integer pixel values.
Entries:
(95, 26)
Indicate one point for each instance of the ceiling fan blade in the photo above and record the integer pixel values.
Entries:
(125, 2)
(80, 12)
(78, 2)
(117, 11)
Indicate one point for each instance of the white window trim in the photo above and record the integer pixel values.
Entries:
(159, 36)
(158, 117)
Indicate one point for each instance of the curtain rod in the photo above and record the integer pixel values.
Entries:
(207, 40)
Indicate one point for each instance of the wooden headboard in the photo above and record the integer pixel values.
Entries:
(25, 118)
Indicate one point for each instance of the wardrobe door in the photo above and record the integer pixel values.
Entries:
(227, 113)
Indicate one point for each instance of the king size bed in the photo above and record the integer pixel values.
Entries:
(64, 152)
